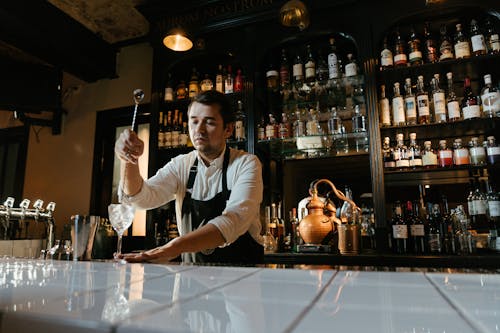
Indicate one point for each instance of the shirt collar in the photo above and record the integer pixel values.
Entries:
(217, 163)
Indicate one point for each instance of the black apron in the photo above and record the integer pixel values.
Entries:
(245, 250)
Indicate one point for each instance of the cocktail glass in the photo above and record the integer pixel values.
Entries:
(121, 217)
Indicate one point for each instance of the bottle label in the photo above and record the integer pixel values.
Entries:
(385, 112)
(478, 153)
(183, 139)
(491, 101)
(478, 43)
(429, 158)
(462, 50)
(284, 76)
(423, 105)
(386, 58)
(453, 110)
(480, 207)
(400, 231)
(402, 163)
(168, 139)
(169, 94)
(417, 161)
(494, 208)
(333, 68)
(310, 69)
(261, 133)
(400, 59)
(446, 50)
(398, 111)
(351, 69)
(272, 73)
(219, 84)
(492, 151)
(239, 130)
(270, 131)
(471, 111)
(495, 42)
(415, 56)
(461, 156)
(161, 139)
(439, 106)
(417, 230)
(298, 71)
(175, 138)
(445, 154)
(411, 108)
(434, 243)
(390, 164)
(396, 155)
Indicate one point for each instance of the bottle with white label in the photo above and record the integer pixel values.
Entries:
(493, 198)
(477, 152)
(492, 38)
(445, 45)
(429, 156)
(401, 153)
(460, 154)
(310, 67)
(414, 49)
(351, 68)
(470, 104)
(398, 109)
(239, 124)
(386, 57)
(454, 112)
(333, 66)
(439, 100)
(477, 39)
(490, 97)
(492, 150)
(462, 47)
(410, 104)
(414, 152)
(385, 109)
(424, 116)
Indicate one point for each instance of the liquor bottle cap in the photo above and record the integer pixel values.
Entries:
(427, 143)
(487, 79)
(442, 142)
(413, 136)
(399, 136)
(449, 75)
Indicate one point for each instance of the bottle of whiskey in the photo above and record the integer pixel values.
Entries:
(310, 67)
(417, 228)
(399, 230)
(322, 71)
(398, 109)
(285, 127)
(161, 131)
(229, 81)
(400, 57)
(415, 154)
(193, 88)
(167, 122)
(387, 153)
(477, 39)
(351, 68)
(219, 80)
(272, 79)
(184, 136)
(431, 47)
(169, 90)
(492, 38)
(333, 66)
(414, 48)
(445, 45)
(386, 57)
(424, 115)
(470, 104)
(401, 155)
(206, 84)
(298, 72)
(410, 104)
(385, 109)
(238, 81)
(239, 124)
(490, 97)
(439, 100)
(454, 113)
(462, 47)
(176, 130)
(284, 71)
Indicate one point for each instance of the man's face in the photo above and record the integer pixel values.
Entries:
(207, 131)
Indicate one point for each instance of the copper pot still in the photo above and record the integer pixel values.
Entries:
(315, 226)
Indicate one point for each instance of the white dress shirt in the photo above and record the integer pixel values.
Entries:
(244, 180)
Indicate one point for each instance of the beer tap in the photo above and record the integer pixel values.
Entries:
(6, 210)
(24, 205)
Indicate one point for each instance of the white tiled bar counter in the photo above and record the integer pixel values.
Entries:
(62, 296)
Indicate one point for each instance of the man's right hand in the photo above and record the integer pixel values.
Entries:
(129, 147)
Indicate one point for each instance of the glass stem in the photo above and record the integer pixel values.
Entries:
(119, 246)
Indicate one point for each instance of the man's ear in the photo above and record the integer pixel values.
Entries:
(229, 130)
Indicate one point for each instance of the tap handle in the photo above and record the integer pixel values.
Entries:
(38, 204)
(9, 203)
(51, 206)
(24, 204)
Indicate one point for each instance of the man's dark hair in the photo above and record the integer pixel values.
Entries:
(213, 97)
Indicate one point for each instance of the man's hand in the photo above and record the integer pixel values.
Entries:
(129, 147)
(161, 254)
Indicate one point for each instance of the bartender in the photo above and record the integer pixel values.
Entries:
(217, 190)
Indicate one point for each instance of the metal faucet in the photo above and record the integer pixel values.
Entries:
(37, 213)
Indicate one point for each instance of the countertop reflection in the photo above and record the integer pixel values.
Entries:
(63, 296)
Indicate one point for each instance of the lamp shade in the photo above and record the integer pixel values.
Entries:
(177, 40)
(294, 14)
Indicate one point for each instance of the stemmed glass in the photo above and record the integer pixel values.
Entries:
(121, 217)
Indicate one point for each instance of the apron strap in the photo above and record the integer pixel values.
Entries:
(225, 164)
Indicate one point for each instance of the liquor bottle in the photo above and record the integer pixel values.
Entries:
(460, 154)
(470, 104)
(445, 155)
(492, 38)
(193, 88)
(385, 109)
(358, 120)
(322, 70)
(238, 81)
(294, 223)
(493, 198)
(310, 67)
(398, 109)
(206, 84)
(280, 226)
(346, 211)
(386, 57)
(434, 235)
(454, 113)
(239, 124)
(431, 46)
(272, 79)
(229, 81)
(270, 243)
(445, 45)
(298, 72)
(429, 156)
(439, 100)
(351, 68)
(334, 122)
(285, 127)
(284, 71)
(161, 131)
(414, 49)
(399, 230)
(333, 65)
(402, 156)
(219, 80)
(410, 104)
(387, 154)
(490, 97)
(461, 43)
(424, 115)
(181, 92)
(477, 39)
(169, 90)
(479, 220)
(176, 129)
(477, 152)
(415, 154)
(448, 229)
(168, 130)
(271, 128)
(299, 127)
(400, 58)
(492, 151)
(184, 136)
(261, 129)
(417, 228)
